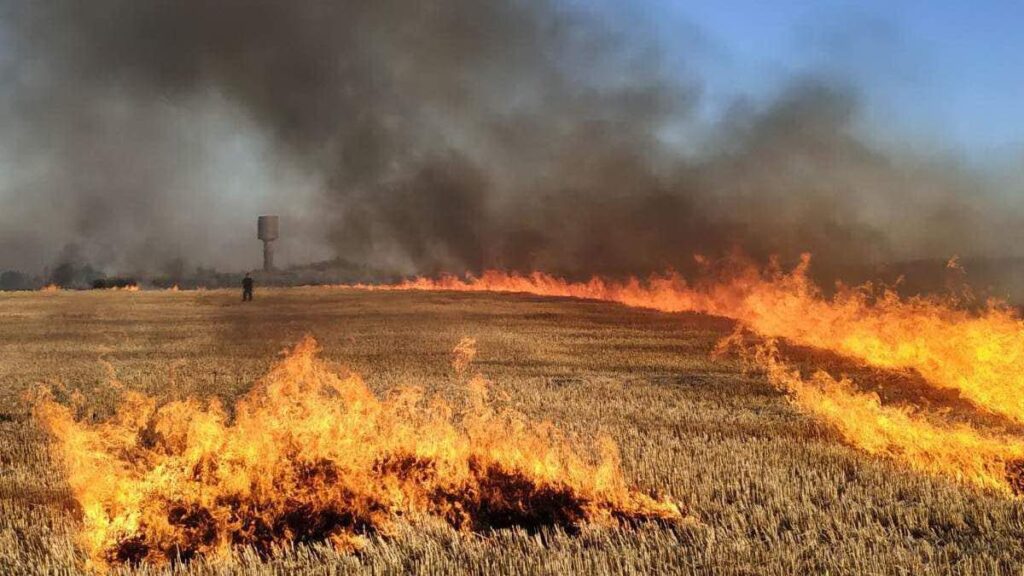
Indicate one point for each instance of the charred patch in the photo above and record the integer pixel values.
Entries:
(131, 551)
(502, 499)
(197, 528)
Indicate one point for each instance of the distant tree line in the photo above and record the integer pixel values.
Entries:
(75, 274)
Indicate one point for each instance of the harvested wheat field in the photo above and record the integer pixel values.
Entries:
(480, 433)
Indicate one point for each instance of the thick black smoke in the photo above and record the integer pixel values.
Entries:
(432, 136)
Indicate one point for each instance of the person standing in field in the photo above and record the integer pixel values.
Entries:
(247, 288)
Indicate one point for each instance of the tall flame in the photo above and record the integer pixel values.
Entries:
(979, 354)
(310, 454)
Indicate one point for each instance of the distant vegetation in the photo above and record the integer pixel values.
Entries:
(84, 276)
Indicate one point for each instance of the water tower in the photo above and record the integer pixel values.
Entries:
(266, 230)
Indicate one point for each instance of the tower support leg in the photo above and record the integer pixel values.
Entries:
(268, 256)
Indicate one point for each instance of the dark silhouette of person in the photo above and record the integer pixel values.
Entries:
(247, 288)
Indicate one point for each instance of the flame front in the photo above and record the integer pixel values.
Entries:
(313, 455)
(955, 450)
(979, 354)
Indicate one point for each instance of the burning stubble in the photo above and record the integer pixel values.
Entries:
(310, 455)
(976, 352)
(984, 459)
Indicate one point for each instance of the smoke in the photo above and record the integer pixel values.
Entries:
(428, 136)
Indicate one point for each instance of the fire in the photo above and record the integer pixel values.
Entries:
(50, 288)
(310, 454)
(955, 450)
(978, 354)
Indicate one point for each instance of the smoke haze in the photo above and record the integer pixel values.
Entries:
(424, 136)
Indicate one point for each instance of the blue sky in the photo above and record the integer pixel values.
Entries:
(945, 74)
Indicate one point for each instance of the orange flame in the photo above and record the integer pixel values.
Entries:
(979, 354)
(50, 288)
(311, 455)
(955, 450)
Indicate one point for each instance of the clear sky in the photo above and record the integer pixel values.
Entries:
(946, 73)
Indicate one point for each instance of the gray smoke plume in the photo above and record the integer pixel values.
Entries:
(423, 136)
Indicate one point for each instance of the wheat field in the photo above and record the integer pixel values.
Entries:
(769, 490)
